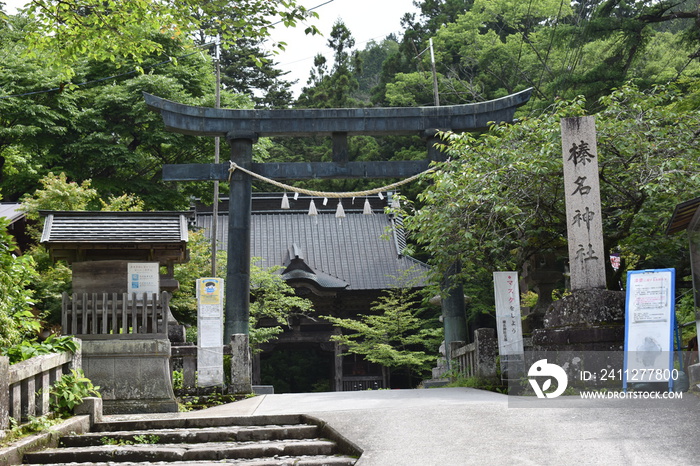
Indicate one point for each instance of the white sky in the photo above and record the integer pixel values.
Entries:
(366, 19)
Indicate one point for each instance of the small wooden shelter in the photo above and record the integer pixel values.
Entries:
(119, 306)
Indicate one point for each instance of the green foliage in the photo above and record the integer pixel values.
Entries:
(485, 49)
(112, 31)
(69, 392)
(272, 301)
(498, 199)
(178, 380)
(33, 426)
(16, 298)
(143, 439)
(57, 193)
(28, 349)
(395, 335)
(52, 280)
(334, 88)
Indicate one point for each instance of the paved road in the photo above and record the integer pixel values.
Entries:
(463, 426)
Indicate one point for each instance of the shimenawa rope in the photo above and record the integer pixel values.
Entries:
(233, 167)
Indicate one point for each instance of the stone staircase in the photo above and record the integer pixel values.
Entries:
(248, 441)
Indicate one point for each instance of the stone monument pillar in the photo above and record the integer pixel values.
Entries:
(591, 318)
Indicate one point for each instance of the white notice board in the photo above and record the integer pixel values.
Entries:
(143, 277)
(649, 324)
(509, 323)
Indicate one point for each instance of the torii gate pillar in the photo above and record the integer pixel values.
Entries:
(239, 209)
(237, 304)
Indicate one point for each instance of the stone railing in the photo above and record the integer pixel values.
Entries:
(477, 359)
(24, 387)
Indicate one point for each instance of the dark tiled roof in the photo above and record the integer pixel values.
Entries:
(360, 250)
(11, 211)
(115, 227)
(682, 216)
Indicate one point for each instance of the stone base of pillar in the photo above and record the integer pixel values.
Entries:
(586, 320)
(241, 365)
(694, 376)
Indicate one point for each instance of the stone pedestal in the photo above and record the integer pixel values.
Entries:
(586, 320)
(133, 375)
(241, 365)
(694, 375)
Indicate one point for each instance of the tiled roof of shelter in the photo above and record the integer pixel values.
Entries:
(114, 227)
(358, 250)
(11, 211)
(682, 216)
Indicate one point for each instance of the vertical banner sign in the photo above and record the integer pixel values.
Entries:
(142, 277)
(210, 331)
(583, 211)
(509, 323)
(649, 324)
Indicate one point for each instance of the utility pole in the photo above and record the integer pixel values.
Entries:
(436, 94)
(215, 206)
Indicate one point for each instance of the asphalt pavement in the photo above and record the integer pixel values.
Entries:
(464, 426)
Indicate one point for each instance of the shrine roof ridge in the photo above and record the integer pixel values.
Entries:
(207, 121)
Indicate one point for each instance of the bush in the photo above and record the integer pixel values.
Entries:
(69, 392)
(28, 349)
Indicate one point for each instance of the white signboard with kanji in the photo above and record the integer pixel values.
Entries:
(509, 324)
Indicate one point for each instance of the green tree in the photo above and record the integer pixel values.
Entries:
(58, 193)
(16, 298)
(334, 88)
(273, 302)
(486, 49)
(395, 335)
(74, 30)
(498, 199)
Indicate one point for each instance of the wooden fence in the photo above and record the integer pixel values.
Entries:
(24, 387)
(477, 359)
(94, 316)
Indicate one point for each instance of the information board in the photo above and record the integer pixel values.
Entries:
(143, 277)
(210, 331)
(649, 324)
(507, 296)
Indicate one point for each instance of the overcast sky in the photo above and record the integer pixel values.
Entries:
(366, 19)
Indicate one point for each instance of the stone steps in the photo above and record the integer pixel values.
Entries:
(248, 441)
(196, 435)
(278, 461)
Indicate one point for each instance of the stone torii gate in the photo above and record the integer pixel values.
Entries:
(242, 128)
